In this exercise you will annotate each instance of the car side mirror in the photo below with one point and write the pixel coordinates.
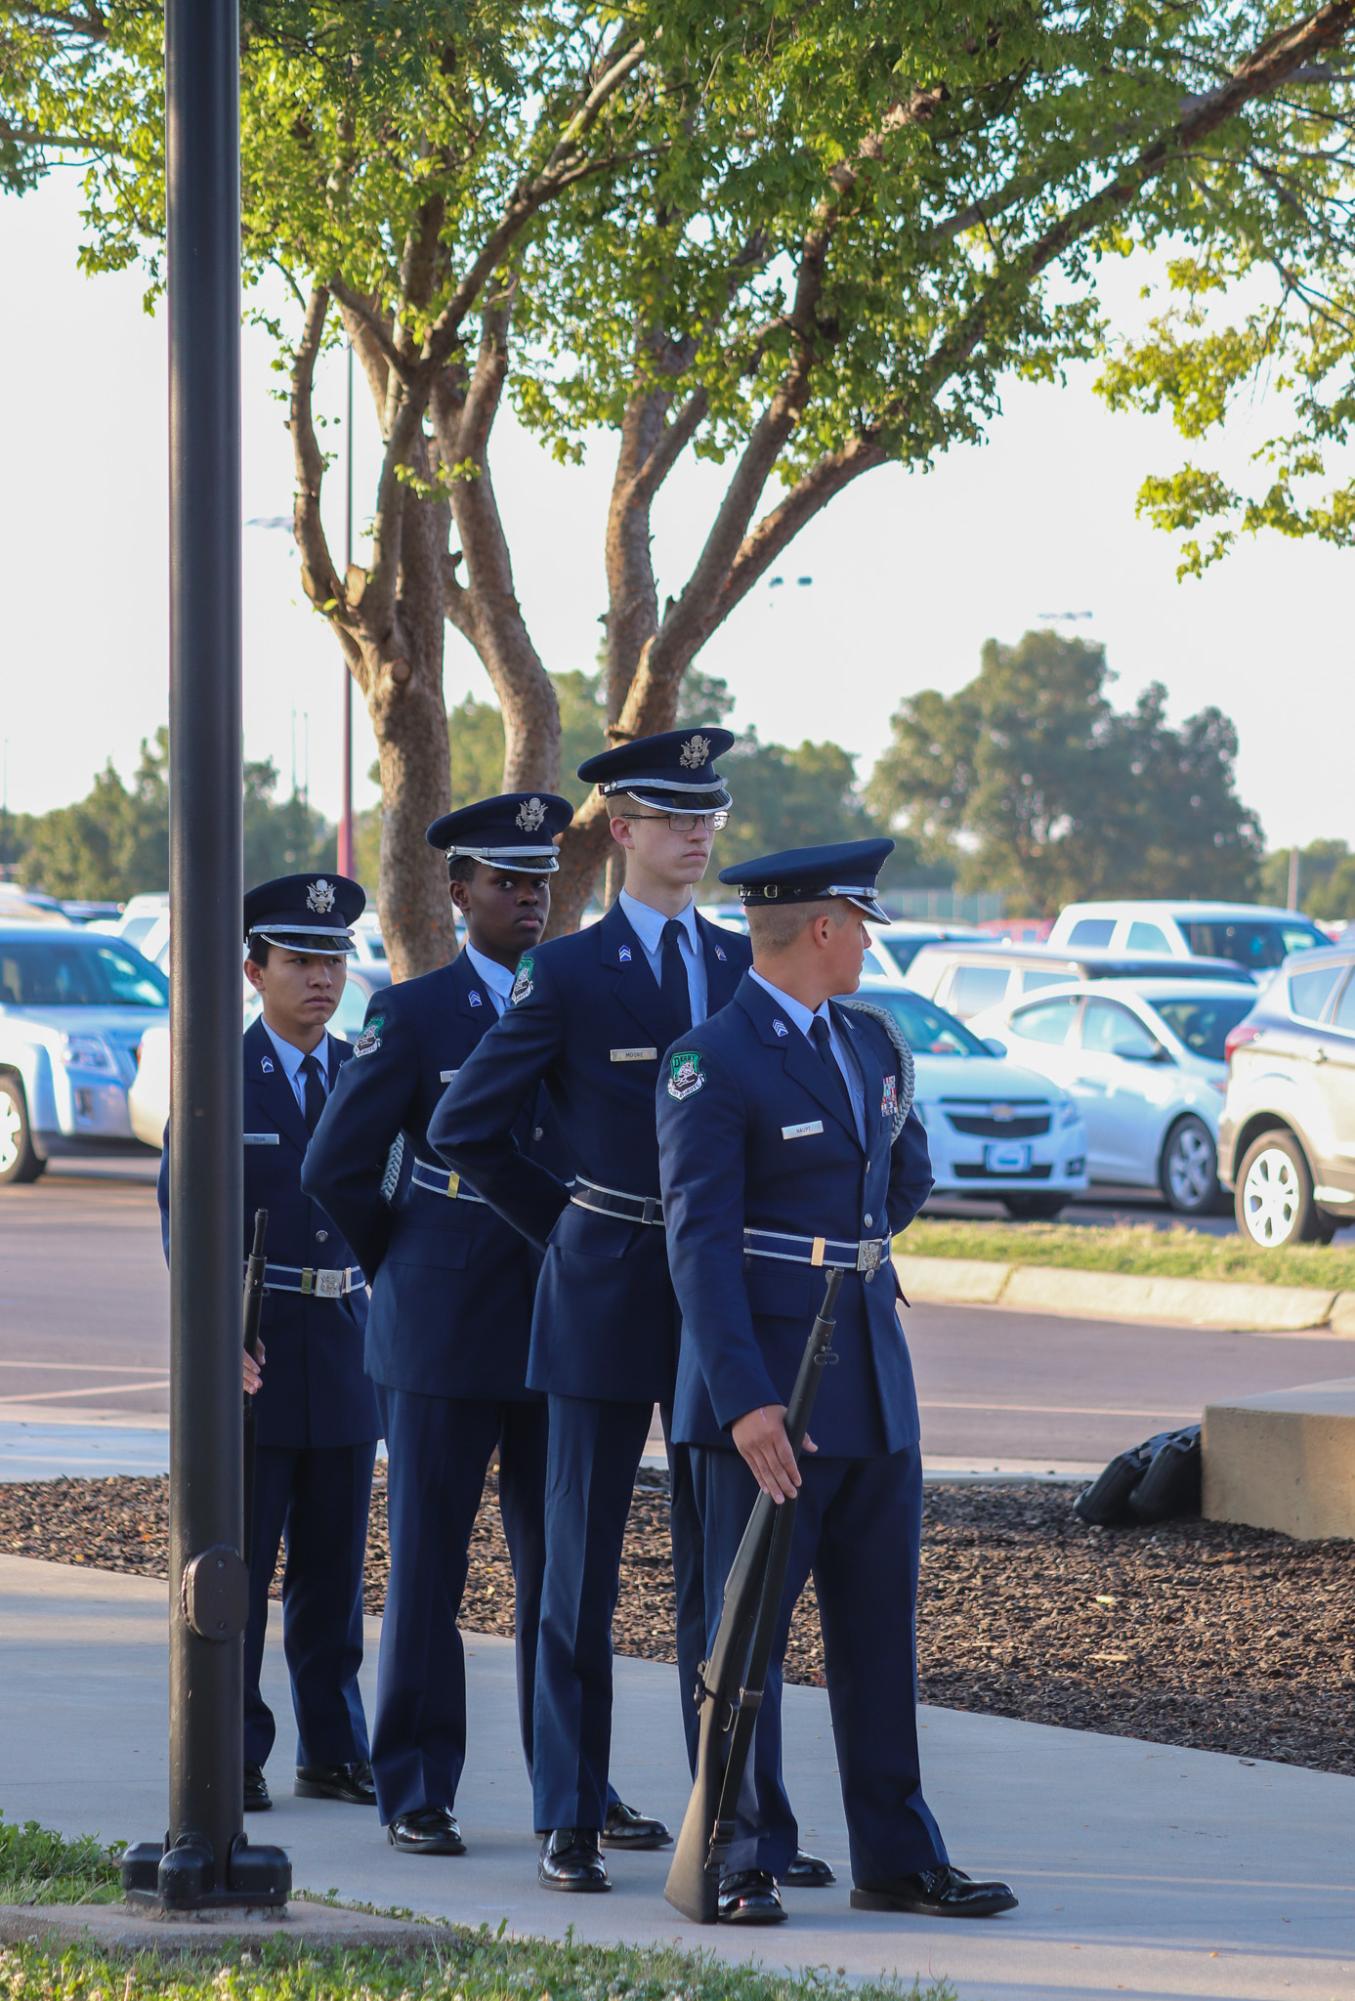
(993, 1046)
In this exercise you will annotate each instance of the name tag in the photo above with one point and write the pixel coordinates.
(446, 1076)
(635, 1055)
(263, 1139)
(802, 1132)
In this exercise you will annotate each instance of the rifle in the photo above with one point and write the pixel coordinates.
(254, 1271)
(729, 1692)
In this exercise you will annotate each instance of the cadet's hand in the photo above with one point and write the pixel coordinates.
(253, 1372)
(760, 1436)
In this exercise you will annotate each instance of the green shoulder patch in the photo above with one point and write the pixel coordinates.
(685, 1075)
(524, 981)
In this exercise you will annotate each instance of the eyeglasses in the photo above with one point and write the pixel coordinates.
(683, 823)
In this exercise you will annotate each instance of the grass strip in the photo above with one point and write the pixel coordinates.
(1136, 1248)
(40, 1867)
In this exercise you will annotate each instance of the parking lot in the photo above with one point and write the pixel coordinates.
(85, 1335)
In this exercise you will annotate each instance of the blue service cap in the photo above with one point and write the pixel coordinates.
(808, 875)
(516, 830)
(673, 772)
(306, 913)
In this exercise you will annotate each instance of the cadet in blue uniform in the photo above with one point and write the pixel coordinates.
(452, 1289)
(590, 1015)
(787, 1146)
(316, 1416)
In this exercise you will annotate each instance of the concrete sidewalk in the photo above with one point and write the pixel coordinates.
(1142, 1871)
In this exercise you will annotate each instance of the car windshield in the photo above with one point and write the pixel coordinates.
(1203, 1025)
(1252, 942)
(77, 971)
(927, 1029)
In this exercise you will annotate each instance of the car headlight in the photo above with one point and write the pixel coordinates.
(1068, 1112)
(86, 1052)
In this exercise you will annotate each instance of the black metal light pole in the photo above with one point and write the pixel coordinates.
(205, 1860)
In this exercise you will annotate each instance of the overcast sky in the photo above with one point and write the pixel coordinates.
(910, 574)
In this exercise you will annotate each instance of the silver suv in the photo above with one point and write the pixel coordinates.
(1287, 1137)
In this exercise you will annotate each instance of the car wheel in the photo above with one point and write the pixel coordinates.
(19, 1159)
(1189, 1176)
(1034, 1208)
(1274, 1202)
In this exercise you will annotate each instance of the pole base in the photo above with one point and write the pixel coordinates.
(185, 1878)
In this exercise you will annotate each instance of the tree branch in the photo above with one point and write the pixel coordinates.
(376, 329)
(318, 574)
(562, 169)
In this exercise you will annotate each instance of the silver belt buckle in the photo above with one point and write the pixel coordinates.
(329, 1284)
(869, 1256)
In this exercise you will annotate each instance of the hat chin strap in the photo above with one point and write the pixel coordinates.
(526, 861)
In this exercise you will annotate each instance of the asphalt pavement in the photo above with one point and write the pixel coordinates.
(84, 1342)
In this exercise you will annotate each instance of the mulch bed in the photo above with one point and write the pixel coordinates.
(1195, 1633)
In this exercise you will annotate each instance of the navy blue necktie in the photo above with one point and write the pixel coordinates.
(677, 996)
(819, 1036)
(315, 1092)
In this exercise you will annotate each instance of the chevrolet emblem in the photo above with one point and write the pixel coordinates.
(1003, 1113)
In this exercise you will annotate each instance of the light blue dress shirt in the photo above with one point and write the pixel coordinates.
(804, 1017)
(647, 924)
(292, 1058)
(498, 979)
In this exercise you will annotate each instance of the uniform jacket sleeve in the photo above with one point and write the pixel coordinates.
(701, 1170)
(162, 1194)
(365, 1111)
(910, 1173)
(472, 1123)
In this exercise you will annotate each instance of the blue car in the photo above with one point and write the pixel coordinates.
(74, 1006)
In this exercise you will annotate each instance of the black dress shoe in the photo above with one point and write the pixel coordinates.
(749, 1897)
(429, 1830)
(570, 1861)
(807, 1872)
(625, 1828)
(938, 1893)
(350, 1783)
(256, 1790)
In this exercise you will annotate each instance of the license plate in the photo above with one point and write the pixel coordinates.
(1006, 1158)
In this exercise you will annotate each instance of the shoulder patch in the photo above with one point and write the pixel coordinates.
(685, 1075)
(524, 981)
(370, 1037)
(898, 1091)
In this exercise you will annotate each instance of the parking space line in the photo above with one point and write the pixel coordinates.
(87, 1368)
(1054, 1409)
(93, 1390)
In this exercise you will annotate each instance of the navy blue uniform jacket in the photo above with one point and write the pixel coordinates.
(766, 1141)
(452, 1283)
(314, 1390)
(588, 1023)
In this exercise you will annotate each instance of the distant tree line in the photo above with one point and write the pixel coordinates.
(115, 841)
(1026, 782)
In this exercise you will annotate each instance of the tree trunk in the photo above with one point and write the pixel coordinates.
(403, 677)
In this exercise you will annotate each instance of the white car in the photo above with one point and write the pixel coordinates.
(993, 1130)
(1144, 1060)
(1256, 936)
(893, 947)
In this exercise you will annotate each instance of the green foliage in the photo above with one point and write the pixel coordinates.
(365, 124)
(1263, 307)
(1051, 795)
(115, 841)
(1326, 880)
(439, 1962)
(38, 1866)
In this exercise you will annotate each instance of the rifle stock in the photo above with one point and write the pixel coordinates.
(732, 1680)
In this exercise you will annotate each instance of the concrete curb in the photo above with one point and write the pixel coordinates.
(1127, 1297)
(116, 1928)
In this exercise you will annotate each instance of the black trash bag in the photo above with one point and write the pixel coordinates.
(1171, 1487)
(1105, 1504)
